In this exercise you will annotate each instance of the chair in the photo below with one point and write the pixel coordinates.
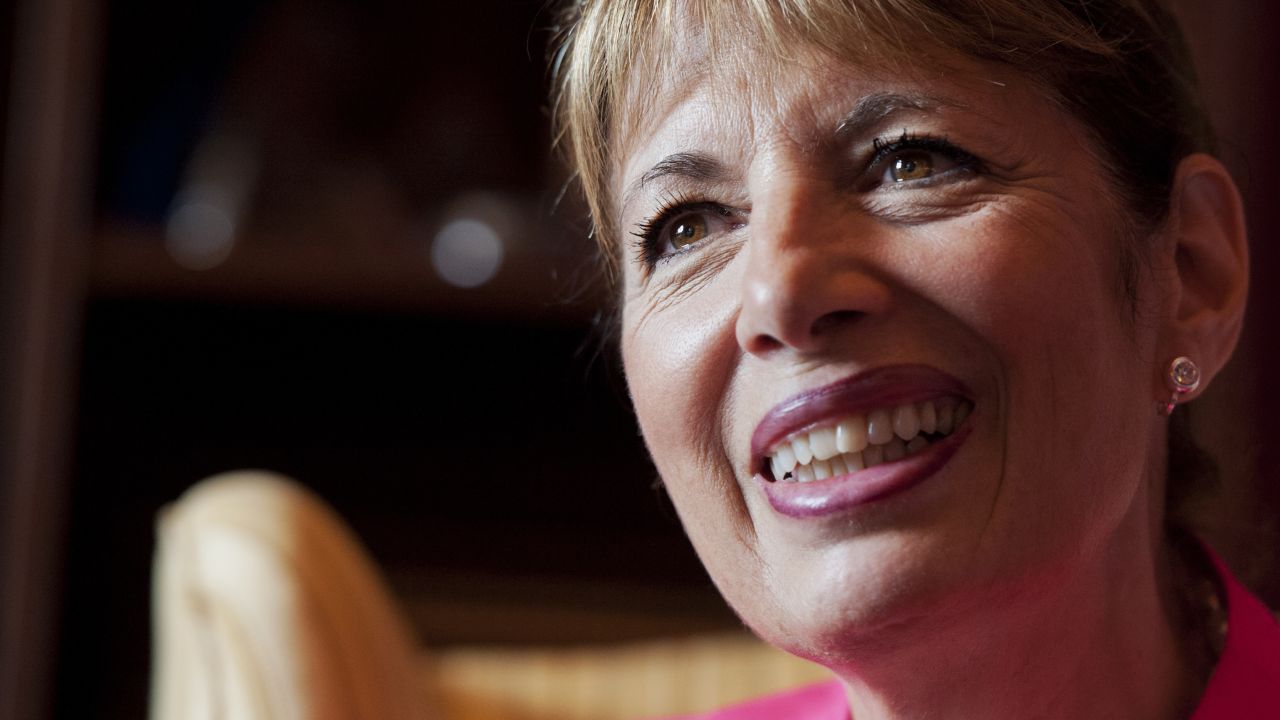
(267, 608)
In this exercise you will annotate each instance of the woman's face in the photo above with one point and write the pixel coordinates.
(817, 251)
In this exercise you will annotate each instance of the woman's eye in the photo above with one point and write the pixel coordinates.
(687, 230)
(680, 227)
(914, 165)
(916, 159)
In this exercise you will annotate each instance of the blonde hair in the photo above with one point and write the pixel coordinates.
(1120, 66)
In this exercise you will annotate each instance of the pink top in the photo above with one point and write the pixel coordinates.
(1245, 684)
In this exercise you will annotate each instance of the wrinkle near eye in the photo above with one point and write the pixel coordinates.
(694, 274)
(943, 205)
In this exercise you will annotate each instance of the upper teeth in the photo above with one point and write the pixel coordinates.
(855, 442)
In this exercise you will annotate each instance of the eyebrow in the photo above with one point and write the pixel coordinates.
(697, 167)
(872, 109)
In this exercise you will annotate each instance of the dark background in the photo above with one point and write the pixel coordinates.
(478, 439)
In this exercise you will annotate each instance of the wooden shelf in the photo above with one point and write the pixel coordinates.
(547, 281)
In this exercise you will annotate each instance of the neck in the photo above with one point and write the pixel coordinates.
(1108, 638)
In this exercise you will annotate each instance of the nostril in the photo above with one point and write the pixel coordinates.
(764, 344)
(803, 298)
(829, 324)
(833, 320)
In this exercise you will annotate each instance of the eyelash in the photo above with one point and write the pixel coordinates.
(649, 231)
(881, 149)
(650, 244)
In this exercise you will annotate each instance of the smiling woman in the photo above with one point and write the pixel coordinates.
(906, 289)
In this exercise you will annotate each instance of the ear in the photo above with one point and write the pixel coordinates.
(1206, 234)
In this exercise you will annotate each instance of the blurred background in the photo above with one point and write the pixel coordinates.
(326, 237)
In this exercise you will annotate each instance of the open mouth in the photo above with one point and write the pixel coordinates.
(857, 442)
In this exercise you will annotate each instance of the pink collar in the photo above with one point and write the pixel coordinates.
(1246, 682)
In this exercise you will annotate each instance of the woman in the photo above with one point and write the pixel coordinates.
(910, 293)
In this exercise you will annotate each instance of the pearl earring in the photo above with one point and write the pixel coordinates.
(1183, 378)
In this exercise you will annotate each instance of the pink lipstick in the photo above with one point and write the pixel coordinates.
(906, 421)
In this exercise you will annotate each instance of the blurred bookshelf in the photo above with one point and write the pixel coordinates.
(386, 154)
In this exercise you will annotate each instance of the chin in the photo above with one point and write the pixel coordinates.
(837, 604)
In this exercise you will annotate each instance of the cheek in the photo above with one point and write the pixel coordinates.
(679, 354)
(1046, 298)
(673, 373)
(1043, 288)
(678, 364)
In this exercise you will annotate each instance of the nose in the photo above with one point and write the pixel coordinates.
(808, 276)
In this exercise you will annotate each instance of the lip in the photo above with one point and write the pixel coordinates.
(860, 393)
(844, 492)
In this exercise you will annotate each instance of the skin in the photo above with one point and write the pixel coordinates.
(1044, 531)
